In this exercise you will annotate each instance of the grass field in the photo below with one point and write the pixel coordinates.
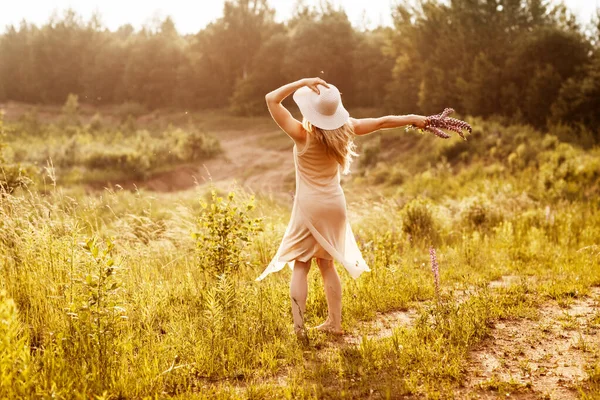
(115, 293)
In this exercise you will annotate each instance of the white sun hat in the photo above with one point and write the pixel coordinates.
(324, 110)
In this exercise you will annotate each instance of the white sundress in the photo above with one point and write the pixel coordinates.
(318, 225)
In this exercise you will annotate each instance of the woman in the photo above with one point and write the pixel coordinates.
(319, 226)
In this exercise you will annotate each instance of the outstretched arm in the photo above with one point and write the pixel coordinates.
(364, 126)
(281, 115)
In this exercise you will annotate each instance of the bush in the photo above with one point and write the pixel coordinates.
(12, 176)
(136, 163)
(132, 109)
(568, 172)
(96, 124)
(70, 110)
(455, 152)
(96, 314)
(29, 122)
(224, 228)
(480, 214)
(370, 155)
(143, 153)
(418, 222)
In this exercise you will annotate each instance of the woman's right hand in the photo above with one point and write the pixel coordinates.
(312, 83)
(420, 121)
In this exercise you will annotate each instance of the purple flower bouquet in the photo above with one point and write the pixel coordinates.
(441, 121)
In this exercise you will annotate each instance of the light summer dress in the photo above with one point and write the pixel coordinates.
(319, 225)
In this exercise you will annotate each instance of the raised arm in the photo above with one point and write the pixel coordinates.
(281, 115)
(364, 126)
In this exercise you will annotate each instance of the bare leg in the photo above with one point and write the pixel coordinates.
(298, 293)
(333, 294)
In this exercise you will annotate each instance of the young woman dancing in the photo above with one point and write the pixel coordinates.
(319, 226)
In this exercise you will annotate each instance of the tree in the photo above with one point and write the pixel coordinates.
(372, 67)
(579, 99)
(224, 51)
(267, 74)
(154, 83)
(321, 45)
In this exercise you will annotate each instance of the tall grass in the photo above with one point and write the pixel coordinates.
(128, 295)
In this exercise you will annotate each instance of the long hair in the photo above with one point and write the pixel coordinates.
(338, 143)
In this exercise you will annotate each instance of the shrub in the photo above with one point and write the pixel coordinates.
(181, 146)
(96, 313)
(198, 146)
(224, 228)
(132, 109)
(480, 214)
(96, 124)
(398, 176)
(370, 155)
(70, 110)
(136, 163)
(418, 222)
(129, 124)
(568, 172)
(455, 151)
(30, 123)
(11, 176)
(380, 174)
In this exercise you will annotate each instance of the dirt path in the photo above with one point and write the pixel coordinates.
(244, 160)
(524, 359)
(545, 358)
(537, 359)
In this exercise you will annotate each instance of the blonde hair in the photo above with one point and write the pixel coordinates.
(338, 143)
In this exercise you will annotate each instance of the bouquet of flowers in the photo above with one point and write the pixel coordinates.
(441, 121)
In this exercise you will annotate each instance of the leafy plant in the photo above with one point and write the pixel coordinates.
(435, 268)
(16, 373)
(225, 227)
(418, 221)
(70, 110)
(11, 176)
(97, 312)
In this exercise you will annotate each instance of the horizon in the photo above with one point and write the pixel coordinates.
(112, 15)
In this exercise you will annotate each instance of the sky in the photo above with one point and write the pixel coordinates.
(191, 16)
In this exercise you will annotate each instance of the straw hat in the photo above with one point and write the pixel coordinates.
(324, 110)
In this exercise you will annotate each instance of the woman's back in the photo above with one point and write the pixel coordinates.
(316, 167)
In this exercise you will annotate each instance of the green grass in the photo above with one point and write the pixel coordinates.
(145, 315)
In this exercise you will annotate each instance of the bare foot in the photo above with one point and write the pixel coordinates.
(328, 327)
(302, 335)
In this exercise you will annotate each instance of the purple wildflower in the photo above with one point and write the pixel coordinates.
(438, 132)
(441, 121)
(435, 268)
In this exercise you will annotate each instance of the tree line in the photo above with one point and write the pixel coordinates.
(520, 59)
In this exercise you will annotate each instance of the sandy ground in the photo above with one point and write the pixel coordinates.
(243, 161)
(543, 358)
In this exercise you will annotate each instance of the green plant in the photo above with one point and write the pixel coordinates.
(418, 221)
(225, 227)
(96, 124)
(96, 314)
(220, 303)
(11, 176)
(70, 110)
(16, 372)
(370, 154)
